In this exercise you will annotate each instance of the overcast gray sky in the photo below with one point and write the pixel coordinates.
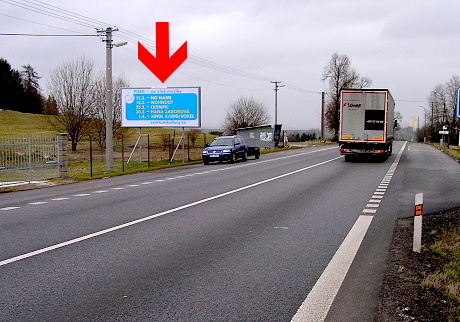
(406, 46)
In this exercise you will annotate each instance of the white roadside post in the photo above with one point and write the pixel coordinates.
(417, 243)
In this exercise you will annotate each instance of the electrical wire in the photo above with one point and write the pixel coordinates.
(68, 16)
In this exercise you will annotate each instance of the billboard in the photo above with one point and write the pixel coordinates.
(458, 103)
(161, 107)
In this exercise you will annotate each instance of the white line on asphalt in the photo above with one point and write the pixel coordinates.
(37, 203)
(106, 231)
(319, 300)
(10, 208)
(59, 199)
(82, 195)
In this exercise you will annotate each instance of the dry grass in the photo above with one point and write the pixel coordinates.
(446, 279)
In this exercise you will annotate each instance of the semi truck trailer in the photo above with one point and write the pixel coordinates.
(366, 123)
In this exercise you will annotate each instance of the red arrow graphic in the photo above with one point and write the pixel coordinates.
(162, 66)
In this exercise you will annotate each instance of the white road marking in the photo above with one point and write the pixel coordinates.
(10, 208)
(108, 230)
(82, 195)
(100, 191)
(372, 205)
(37, 203)
(319, 300)
(59, 199)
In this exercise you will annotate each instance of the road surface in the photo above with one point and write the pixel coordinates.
(298, 235)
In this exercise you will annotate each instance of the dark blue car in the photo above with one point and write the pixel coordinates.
(225, 148)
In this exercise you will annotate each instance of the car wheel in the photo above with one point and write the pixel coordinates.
(245, 156)
(206, 162)
(257, 155)
(232, 158)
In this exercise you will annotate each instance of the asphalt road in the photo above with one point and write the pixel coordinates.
(262, 240)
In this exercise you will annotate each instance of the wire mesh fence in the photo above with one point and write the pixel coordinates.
(28, 158)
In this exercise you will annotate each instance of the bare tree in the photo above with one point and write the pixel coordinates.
(98, 112)
(339, 73)
(245, 112)
(72, 86)
(443, 106)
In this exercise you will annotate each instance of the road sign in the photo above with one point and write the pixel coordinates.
(458, 102)
(161, 107)
(444, 132)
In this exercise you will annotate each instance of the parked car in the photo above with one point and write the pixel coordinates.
(225, 148)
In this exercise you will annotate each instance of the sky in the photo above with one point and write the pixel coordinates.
(237, 47)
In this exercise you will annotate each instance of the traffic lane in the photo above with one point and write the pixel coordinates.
(24, 197)
(422, 169)
(432, 172)
(37, 226)
(359, 295)
(248, 251)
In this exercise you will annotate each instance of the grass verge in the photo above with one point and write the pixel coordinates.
(446, 278)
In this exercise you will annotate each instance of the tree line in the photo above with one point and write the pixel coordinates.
(20, 89)
(442, 110)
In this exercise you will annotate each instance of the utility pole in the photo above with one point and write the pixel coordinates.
(322, 115)
(109, 95)
(276, 99)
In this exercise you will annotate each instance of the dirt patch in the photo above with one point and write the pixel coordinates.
(403, 298)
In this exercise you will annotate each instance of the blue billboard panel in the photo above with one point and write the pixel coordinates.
(161, 107)
(458, 102)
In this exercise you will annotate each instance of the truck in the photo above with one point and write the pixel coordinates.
(366, 123)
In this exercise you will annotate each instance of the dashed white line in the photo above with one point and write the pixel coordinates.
(59, 199)
(173, 210)
(10, 208)
(372, 205)
(37, 203)
(100, 191)
(82, 195)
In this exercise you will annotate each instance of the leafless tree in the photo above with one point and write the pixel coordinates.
(98, 112)
(72, 86)
(339, 74)
(245, 112)
(442, 103)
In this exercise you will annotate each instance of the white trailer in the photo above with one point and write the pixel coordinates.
(366, 123)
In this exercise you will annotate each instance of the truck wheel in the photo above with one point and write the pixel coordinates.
(348, 158)
(257, 155)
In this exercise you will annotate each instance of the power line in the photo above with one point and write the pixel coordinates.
(68, 16)
(47, 35)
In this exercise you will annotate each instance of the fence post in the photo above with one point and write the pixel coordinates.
(63, 158)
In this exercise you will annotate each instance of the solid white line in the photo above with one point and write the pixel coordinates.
(105, 231)
(319, 300)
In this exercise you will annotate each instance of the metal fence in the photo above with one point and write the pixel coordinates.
(27, 159)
